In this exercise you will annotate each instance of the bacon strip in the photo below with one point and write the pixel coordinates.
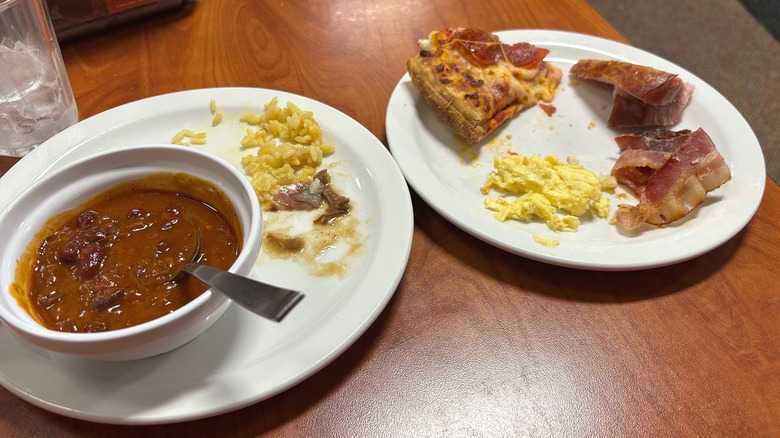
(628, 112)
(643, 153)
(643, 96)
(660, 140)
(634, 167)
(677, 186)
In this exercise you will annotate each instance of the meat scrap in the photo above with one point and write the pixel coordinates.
(669, 184)
(643, 96)
(284, 243)
(310, 196)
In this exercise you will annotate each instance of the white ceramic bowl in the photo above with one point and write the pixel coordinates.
(72, 184)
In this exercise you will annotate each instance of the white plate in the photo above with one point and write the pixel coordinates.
(429, 156)
(242, 358)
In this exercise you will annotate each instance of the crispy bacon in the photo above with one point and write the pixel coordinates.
(660, 140)
(643, 96)
(629, 112)
(676, 187)
(634, 167)
(651, 86)
(643, 153)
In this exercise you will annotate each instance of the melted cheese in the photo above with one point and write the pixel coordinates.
(504, 83)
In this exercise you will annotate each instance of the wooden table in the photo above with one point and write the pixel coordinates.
(475, 342)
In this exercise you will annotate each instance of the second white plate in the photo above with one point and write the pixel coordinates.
(432, 160)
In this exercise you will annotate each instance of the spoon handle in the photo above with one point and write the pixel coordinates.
(269, 301)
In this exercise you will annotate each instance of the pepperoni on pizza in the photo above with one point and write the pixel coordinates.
(476, 82)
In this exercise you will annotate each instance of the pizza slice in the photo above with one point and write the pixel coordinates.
(475, 82)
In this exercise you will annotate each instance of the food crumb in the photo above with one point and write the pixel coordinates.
(217, 114)
(186, 137)
(217, 118)
(467, 155)
(551, 243)
(283, 243)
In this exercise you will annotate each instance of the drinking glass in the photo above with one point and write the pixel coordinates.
(36, 100)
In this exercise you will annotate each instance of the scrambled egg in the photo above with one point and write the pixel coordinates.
(544, 186)
(552, 243)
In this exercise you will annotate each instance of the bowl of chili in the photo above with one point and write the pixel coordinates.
(91, 253)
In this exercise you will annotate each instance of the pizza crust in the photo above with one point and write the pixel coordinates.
(467, 121)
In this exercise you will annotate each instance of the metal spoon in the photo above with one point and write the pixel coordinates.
(268, 301)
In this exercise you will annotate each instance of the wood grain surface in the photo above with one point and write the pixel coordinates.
(475, 342)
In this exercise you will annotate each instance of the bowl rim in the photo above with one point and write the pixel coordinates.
(250, 231)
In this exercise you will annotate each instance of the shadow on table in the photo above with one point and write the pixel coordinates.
(625, 286)
(568, 283)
